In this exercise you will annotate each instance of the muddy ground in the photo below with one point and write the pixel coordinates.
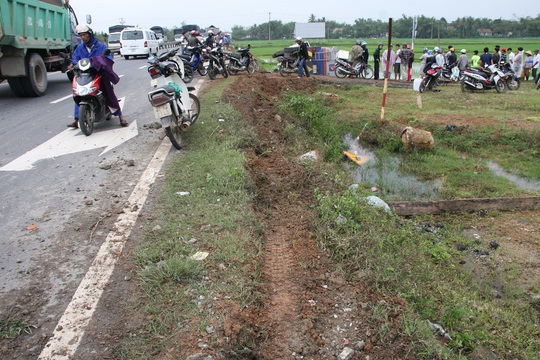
(311, 311)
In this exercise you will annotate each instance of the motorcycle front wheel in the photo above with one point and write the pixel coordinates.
(340, 72)
(465, 88)
(174, 133)
(423, 85)
(86, 119)
(500, 86)
(513, 83)
(231, 70)
(251, 68)
(283, 71)
(368, 72)
(211, 72)
(203, 70)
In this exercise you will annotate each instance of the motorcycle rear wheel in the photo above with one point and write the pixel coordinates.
(368, 72)
(174, 133)
(500, 86)
(284, 72)
(195, 108)
(211, 72)
(513, 83)
(340, 72)
(86, 119)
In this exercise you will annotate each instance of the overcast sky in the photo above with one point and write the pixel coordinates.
(225, 14)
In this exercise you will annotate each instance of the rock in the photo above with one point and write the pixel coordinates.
(416, 139)
(360, 345)
(199, 357)
(346, 354)
(378, 202)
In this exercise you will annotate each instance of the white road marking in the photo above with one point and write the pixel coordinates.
(61, 99)
(72, 326)
(71, 141)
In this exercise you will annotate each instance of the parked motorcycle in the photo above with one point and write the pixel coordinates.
(87, 94)
(431, 78)
(345, 68)
(216, 64)
(174, 106)
(513, 82)
(484, 79)
(287, 63)
(244, 61)
(194, 57)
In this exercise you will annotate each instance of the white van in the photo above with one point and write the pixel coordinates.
(138, 42)
(113, 43)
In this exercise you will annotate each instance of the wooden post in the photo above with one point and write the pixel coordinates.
(385, 88)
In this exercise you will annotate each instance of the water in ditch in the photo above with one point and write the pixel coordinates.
(520, 182)
(385, 174)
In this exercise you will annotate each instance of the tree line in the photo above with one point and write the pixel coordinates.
(427, 27)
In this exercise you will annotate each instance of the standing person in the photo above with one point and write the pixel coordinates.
(303, 56)
(463, 61)
(475, 59)
(406, 55)
(377, 61)
(356, 53)
(397, 63)
(528, 65)
(439, 58)
(365, 55)
(423, 60)
(485, 58)
(536, 64)
(496, 57)
(511, 56)
(451, 58)
(517, 65)
(91, 47)
(386, 64)
(503, 57)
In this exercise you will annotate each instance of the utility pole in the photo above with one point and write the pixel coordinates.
(269, 26)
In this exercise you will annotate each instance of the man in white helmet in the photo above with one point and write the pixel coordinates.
(90, 47)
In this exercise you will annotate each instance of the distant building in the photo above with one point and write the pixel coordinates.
(485, 32)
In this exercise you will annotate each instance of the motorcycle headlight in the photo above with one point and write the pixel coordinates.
(83, 91)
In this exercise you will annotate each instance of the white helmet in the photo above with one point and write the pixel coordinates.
(436, 49)
(210, 32)
(83, 28)
(298, 38)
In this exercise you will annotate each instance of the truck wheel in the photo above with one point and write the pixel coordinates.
(35, 82)
(17, 87)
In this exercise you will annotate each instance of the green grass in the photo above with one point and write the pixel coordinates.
(12, 325)
(412, 259)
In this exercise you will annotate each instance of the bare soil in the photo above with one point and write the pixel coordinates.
(310, 311)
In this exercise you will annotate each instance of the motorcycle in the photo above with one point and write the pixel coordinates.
(216, 64)
(87, 94)
(449, 73)
(193, 58)
(431, 78)
(513, 81)
(242, 61)
(484, 79)
(287, 62)
(173, 104)
(344, 68)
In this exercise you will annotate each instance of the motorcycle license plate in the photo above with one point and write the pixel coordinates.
(162, 111)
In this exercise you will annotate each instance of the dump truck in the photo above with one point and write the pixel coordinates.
(36, 37)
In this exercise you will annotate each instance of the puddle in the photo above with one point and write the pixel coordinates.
(520, 182)
(385, 174)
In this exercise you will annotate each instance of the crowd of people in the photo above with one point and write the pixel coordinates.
(400, 58)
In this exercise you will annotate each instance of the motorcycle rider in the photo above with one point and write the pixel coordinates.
(304, 56)
(209, 42)
(91, 47)
(193, 39)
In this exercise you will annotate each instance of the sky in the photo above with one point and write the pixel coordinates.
(225, 14)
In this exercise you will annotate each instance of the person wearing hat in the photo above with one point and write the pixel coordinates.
(463, 60)
(527, 65)
(451, 59)
(377, 61)
(503, 57)
(536, 64)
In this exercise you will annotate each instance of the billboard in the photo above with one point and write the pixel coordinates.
(312, 30)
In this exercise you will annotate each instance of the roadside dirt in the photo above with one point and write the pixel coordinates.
(311, 312)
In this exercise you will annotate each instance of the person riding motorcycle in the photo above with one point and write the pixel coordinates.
(91, 47)
(193, 39)
(209, 42)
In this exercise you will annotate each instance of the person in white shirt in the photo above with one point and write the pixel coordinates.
(511, 56)
(536, 64)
